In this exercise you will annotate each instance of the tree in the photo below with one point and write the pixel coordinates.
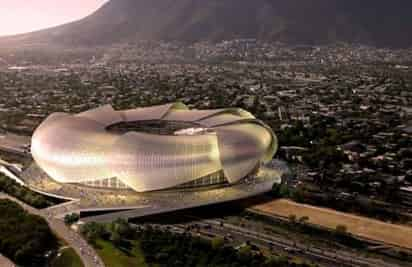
(122, 227)
(341, 230)
(25, 237)
(298, 194)
(284, 190)
(22, 193)
(93, 231)
(116, 238)
(292, 218)
(217, 242)
(69, 219)
(245, 252)
(303, 219)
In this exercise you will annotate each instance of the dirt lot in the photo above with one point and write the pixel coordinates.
(397, 235)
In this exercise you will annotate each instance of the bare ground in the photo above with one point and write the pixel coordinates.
(398, 235)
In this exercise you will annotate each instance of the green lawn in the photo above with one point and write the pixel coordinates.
(68, 258)
(114, 257)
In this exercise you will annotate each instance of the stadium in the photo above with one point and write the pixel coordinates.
(158, 148)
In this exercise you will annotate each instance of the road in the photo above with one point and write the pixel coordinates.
(14, 144)
(88, 255)
(210, 228)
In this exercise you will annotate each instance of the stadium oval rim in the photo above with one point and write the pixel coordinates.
(79, 149)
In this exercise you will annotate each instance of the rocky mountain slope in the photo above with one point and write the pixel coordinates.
(373, 22)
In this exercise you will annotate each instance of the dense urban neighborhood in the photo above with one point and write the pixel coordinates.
(342, 115)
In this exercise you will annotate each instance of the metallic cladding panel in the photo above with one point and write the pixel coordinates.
(75, 149)
(225, 116)
(220, 119)
(51, 118)
(148, 113)
(72, 149)
(234, 111)
(152, 162)
(189, 115)
(242, 146)
(273, 147)
(105, 115)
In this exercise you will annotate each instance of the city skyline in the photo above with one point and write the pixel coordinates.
(19, 16)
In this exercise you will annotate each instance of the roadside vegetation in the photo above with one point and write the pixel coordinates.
(357, 204)
(114, 256)
(67, 257)
(337, 238)
(24, 194)
(72, 218)
(28, 239)
(121, 245)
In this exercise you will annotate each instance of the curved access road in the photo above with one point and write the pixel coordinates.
(88, 255)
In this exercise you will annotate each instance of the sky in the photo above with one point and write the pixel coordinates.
(20, 16)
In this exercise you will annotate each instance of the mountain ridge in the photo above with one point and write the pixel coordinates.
(379, 23)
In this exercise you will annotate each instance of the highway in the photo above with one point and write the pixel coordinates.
(237, 235)
(15, 144)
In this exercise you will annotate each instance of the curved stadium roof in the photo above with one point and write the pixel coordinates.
(79, 148)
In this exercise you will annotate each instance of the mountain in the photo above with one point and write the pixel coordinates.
(380, 23)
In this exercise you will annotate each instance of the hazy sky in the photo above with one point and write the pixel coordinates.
(18, 16)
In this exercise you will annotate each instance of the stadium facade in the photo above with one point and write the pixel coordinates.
(153, 148)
